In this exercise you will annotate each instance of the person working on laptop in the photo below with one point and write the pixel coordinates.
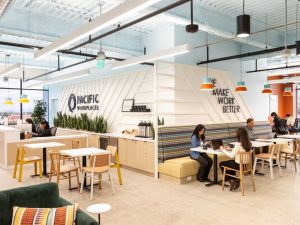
(242, 145)
(198, 139)
(44, 131)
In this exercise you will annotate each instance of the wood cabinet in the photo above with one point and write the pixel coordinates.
(137, 154)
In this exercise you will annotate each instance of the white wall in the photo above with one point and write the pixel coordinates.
(258, 104)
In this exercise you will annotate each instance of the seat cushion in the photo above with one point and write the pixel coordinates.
(39, 216)
(179, 167)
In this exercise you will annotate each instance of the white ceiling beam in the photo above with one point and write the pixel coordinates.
(66, 77)
(10, 69)
(111, 17)
(182, 49)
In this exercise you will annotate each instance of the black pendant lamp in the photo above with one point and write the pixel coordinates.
(192, 28)
(243, 24)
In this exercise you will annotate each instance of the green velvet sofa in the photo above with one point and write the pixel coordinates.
(37, 196)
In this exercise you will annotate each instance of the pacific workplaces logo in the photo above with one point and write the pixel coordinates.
(83, 102)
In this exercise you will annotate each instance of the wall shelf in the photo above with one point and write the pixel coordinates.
(137, 113)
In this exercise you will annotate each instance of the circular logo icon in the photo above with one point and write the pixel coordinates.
(72, 102)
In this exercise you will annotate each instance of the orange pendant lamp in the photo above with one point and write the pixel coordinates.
(207, 84)
(241, 87)
(267, 89)
(287, 92)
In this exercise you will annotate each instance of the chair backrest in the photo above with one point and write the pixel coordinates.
(112, 150)
(55, 158)
(246, 161)
(20, 151)
(53, 131)
(275, 149)
(75, 144)
(100, 160)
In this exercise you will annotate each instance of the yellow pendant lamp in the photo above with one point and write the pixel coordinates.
(267, 89)
(287, 92)
(24, 99)
(241, 87)
(8, 101)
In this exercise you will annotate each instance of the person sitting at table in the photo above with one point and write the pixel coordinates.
(278, 125)
(198, 139)
(29, 121)
(242, 145)
(290, 122)
(249, 128)
(44, 130)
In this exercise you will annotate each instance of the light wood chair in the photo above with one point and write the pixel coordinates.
(272, 155)
(20, 159)
(75, 145)
(57, 169)
(98, 165)
(116, 162)
(287, 150)
(245, 168)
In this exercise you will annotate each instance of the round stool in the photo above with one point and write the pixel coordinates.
(98, 209)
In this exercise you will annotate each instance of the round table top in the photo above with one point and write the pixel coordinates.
(98, 208)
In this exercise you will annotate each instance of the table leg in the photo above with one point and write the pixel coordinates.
(215, 181)
(99, 221)
(44, 161)
(84, 165)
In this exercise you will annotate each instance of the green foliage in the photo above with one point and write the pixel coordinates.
(83, 122)
(39, 111)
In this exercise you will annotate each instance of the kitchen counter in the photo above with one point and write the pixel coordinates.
(117, 135)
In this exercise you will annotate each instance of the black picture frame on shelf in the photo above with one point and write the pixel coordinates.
(127, 105)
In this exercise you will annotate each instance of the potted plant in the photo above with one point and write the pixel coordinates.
(39, 111)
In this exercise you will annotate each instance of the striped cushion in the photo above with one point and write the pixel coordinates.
(45, 216)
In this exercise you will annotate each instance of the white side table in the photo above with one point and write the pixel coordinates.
(98, 209)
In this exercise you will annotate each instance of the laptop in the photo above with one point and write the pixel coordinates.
(216, 143)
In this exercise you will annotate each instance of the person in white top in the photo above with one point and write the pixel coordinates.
(242, 145)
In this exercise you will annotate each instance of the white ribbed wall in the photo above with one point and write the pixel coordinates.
(180, 101)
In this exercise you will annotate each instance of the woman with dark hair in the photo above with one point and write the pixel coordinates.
(198, 139)
(243, 145)
(29, 121)
(44, 130)
(278, 125)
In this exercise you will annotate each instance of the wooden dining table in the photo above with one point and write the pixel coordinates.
(84, 152)
(44, 147)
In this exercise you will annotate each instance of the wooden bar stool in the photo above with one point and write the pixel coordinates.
(20, 159)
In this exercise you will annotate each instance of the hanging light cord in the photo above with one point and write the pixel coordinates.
(241, 62)
(100, 12)
(192, 12)
(285, 24)
(244, 7)
(297, 21)
(267, 43)
(207, 52)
